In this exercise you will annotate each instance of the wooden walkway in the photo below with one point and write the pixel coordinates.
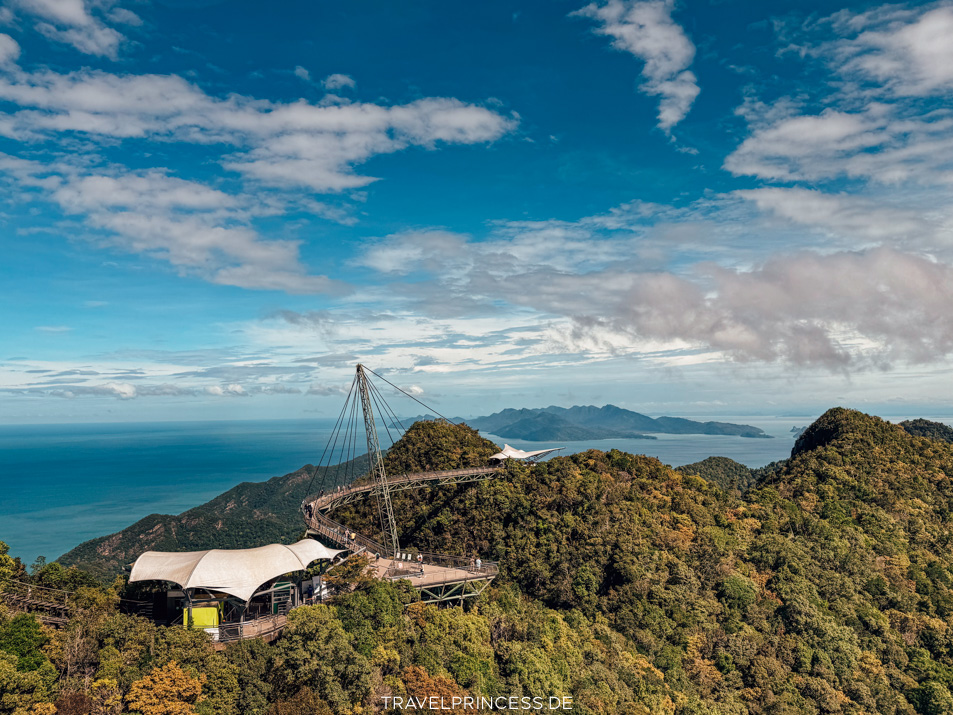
(50, 605)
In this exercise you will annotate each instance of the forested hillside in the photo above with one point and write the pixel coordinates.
(729, 474)
(827, 587)
(927, 428)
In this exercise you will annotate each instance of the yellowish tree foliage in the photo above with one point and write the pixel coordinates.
(422, 685)
(168, 690)
(7, 564)
(107, 696)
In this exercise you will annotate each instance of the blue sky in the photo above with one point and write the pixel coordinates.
(212, 210)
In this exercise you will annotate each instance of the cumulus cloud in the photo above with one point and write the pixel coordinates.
(302, 73)
(647, 31)
(9, 49)
(338, 81)
(273, 146)
(881, 144)
(909, 53)
(71, 22)
(880, 306)
(844, 309)
(849, 308)
(881, 123)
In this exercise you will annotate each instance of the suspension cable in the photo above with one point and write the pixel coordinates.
(409, 395)
(328, 446)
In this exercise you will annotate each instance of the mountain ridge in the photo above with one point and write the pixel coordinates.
(606, 422)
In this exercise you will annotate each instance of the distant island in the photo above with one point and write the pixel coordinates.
(573, 424)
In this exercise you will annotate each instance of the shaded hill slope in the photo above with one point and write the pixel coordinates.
(729, 474)
(928, 429)
(721, 471)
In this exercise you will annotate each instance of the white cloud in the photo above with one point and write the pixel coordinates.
(124, 17)
(201, 230)
(876, 307)
(280, 144)
(327, 390)
(338, 81)
(124, 391)
(882, 144)
(233, 390)
(412, 251)
(647, 31)
(302, 73)
(53, 328)
(880, 306)
(849, 218)
(71, 22)
(882, 123)
(198, 230)
(9, 49)
(907, 55)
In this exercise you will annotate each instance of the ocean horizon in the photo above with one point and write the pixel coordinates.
(68, 483)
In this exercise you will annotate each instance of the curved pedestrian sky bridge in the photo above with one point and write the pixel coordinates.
(438, 577)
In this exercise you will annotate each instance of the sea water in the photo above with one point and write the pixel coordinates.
(61, 485)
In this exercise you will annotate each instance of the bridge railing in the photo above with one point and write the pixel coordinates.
(410, 569)
(265, 627)
(24, 593)
(319, 500)
(463, 563)
(340, 534)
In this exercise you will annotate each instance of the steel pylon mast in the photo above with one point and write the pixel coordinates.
(377, 459)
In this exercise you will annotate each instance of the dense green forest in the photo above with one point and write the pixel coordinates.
(926, 428)
(823, 585)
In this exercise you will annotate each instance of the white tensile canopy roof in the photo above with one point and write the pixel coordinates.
(512, 453)
(237, 572)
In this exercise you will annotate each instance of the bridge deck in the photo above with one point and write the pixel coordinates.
(328, 501)
(50, 605)
(440, 577)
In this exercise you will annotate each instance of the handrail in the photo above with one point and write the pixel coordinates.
(315, 508)
(54, 597)
(255, 628)
(339, 533)
(486, 570)
(327, 498)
